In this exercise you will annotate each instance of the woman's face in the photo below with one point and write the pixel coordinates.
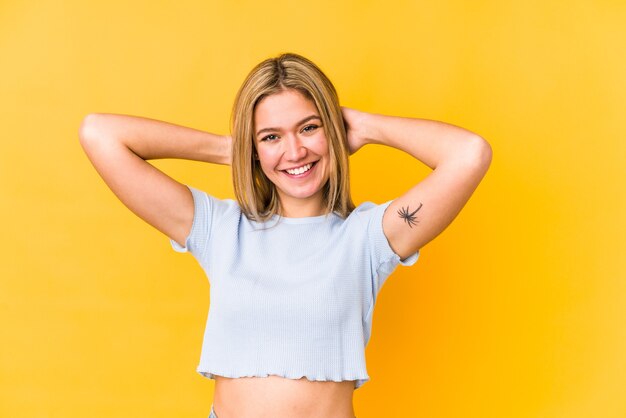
(293, 151)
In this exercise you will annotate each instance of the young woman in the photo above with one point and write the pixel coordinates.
(295, 268)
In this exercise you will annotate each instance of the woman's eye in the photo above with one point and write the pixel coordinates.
(270, 137)
(310, 128)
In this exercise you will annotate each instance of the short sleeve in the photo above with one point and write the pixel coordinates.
(203, 208)
(384, 259)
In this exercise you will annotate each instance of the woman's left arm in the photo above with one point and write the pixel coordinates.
(459, 159)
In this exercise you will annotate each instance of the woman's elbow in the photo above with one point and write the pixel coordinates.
(88, 130)
(480, 152)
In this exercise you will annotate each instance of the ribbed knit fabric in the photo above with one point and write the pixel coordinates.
(292, 297)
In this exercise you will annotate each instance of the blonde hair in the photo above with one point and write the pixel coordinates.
(256, 194)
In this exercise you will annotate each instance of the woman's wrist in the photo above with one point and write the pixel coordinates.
(370, 133)
(222, 154)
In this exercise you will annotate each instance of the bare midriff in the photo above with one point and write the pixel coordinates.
(278, 397)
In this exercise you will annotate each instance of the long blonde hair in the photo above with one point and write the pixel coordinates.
(256, 194)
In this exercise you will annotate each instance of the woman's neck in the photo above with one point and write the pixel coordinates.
(302, 208)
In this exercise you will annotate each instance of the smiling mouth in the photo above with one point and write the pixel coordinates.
(300, 170)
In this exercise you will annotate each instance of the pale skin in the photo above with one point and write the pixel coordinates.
(120, 145)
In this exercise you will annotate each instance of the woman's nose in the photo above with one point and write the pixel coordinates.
(295, 150)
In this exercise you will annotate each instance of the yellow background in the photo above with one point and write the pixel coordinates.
(517, 310)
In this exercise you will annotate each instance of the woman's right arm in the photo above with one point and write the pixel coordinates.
(118, 147)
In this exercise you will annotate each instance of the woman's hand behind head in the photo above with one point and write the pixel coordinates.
(356, 128)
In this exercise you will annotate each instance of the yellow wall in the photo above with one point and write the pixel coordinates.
(517, 310)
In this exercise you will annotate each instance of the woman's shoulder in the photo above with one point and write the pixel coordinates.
(365, 215)
(368, 209)
(210, 204)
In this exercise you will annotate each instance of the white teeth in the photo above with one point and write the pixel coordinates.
(300, 170)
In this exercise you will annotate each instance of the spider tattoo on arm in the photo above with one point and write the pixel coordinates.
(409, 217)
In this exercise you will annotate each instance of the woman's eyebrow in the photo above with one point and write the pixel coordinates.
(305, 120)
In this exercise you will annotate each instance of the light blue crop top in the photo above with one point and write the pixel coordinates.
(292, 297)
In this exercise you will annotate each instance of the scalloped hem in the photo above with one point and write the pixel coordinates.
(358, 381)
